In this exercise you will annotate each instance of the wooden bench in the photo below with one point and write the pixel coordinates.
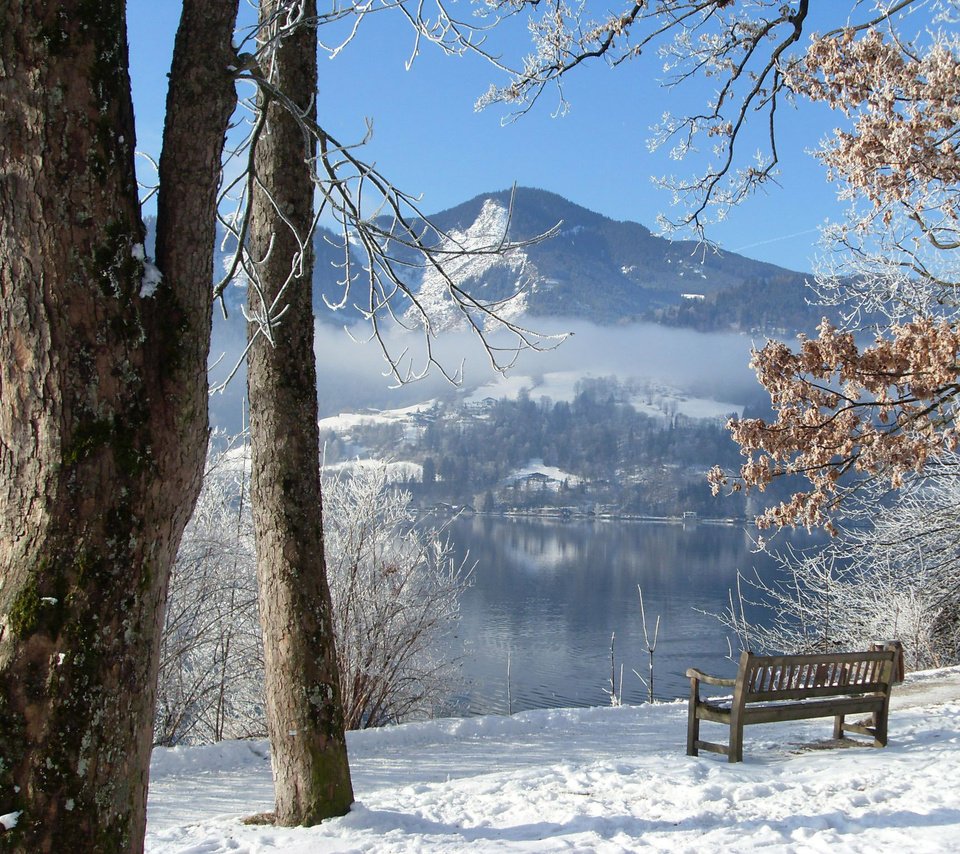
(770, 688)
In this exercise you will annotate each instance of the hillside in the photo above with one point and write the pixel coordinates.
(606, 280)
(628, 448)
(594, 268)
(608, 271)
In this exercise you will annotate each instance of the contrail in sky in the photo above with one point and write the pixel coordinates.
(776, 239)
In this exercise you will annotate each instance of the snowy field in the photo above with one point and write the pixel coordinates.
(345, 422)
(592, 780)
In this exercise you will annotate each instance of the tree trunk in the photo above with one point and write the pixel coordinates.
(304, 711)
(102, 408)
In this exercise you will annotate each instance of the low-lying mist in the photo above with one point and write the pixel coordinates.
(352, 370)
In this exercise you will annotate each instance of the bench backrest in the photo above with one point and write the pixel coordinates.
(796, 677)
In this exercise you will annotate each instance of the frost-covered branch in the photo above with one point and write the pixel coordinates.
(890, 573)
(880, 411)
(745, 46)
(388, 244)
(898, 166)
(210, 684)
(749, 48)
(396, 597)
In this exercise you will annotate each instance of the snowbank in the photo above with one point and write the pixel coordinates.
(592, 780)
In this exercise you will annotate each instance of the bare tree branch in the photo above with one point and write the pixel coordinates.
(389, 245)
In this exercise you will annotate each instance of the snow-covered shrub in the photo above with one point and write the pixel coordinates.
(395, 589)
(211, 662)
(396, 597)
(891, 573)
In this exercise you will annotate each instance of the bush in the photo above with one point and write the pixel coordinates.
(211, 657)
(396, 598)
(892, 572)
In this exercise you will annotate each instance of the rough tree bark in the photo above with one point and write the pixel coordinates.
(102, 404)
(304, 711)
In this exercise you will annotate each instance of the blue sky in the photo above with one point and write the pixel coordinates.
(430, 141)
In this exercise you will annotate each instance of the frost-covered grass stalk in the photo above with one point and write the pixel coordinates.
(615, 695)
(395, 589)
(649, 645)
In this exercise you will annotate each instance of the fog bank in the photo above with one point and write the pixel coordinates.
(352, 371)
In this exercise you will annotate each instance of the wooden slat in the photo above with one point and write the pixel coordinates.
(712, 713)
(821, 658)
(822, 691)
(810, 710)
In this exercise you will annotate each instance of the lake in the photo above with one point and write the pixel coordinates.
(547, 595)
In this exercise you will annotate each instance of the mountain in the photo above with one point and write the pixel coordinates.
(591, 267)
(592, 275)
(596, 269)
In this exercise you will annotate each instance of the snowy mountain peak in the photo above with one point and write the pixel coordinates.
(598, 269)
(473, 260)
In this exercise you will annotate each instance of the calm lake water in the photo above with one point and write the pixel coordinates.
(547, 595)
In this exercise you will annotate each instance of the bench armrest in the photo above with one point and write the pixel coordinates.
(693, 673)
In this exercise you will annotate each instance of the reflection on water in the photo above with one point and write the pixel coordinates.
(547, 595)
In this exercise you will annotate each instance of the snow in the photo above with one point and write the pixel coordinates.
(488, 230)
(347, 421)
(502, 388)
(665, 399)
(397, 471)
(560, 385)
(151, 277)
(555, 385)
(591, 780)
(706, 409)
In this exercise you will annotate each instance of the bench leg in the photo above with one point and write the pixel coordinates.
(693, 727)
(880, 727)
(838, 727)
(735, 753)
(735, 749)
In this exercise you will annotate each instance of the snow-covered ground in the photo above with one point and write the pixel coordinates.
(347, 421)
(592, 780)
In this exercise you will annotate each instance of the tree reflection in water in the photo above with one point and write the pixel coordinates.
(549, 594)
